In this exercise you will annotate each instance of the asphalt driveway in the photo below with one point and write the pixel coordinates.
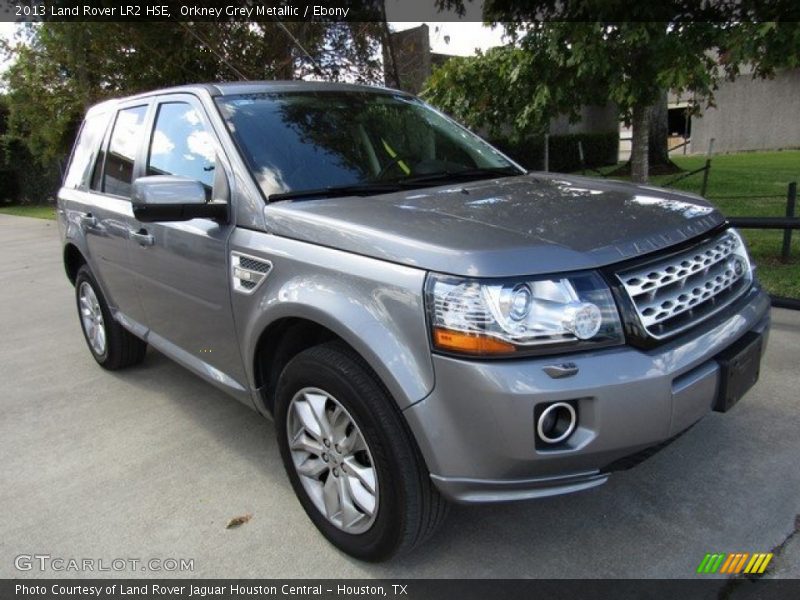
(152, 463)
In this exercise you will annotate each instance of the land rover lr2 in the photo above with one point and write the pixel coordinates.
(424, 320)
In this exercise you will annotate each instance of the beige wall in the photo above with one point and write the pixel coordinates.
(752, 114)
(593, 119)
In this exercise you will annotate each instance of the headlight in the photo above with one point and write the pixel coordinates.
(742, 252)
(521, 316)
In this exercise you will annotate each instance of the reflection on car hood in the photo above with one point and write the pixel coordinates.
(526, 225)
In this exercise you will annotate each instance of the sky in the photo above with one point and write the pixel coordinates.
(459, 38)
(6, 32)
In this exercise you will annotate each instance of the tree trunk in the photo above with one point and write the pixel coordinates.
(659, 134)
(284, 63)
(640, 122)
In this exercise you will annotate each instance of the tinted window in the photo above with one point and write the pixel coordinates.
(310, 140)
(181, 145)
(85, 150)
(121, 155)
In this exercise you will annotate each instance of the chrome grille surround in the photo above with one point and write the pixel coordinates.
(675, 293)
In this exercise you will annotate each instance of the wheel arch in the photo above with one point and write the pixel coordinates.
(286, 336)
(281, 341)
(73, 261)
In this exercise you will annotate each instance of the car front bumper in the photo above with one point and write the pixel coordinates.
(476, 429)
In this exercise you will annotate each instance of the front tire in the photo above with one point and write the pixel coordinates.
(111, 345)
(350, 457)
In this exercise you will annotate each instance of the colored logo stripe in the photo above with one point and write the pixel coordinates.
(710, 563)
(758, 564)
(734, 562)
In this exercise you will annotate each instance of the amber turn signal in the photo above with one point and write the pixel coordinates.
(469, 343)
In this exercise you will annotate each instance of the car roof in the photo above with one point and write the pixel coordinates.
(234, 88)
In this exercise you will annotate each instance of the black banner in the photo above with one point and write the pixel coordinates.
(391, 10)
(234, 10)
(408, 589)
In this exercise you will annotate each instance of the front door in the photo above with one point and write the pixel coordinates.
(182, 267)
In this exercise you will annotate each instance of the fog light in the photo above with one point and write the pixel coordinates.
(556, 423)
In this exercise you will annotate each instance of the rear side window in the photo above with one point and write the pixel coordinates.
(181, 145)
(121, 155)
(89, 139)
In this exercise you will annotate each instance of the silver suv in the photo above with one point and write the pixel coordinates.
(424, 320)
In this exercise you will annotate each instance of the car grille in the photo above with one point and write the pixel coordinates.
(673, 294)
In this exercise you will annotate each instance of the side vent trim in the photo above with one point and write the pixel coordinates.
(248, 272)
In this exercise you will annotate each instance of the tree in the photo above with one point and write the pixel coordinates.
(59, 69)
(658, 139)
(562, 58)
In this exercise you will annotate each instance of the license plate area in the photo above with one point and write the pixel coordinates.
(740, 366)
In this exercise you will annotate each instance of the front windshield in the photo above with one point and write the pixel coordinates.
(296, 141)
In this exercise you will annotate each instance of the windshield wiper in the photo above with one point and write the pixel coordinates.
(364, 189)
(463, 175)
(395, 185)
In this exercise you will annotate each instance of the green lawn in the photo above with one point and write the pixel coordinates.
(37, 212)
(764, 176)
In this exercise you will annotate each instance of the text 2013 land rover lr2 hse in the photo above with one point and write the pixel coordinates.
(424, 320)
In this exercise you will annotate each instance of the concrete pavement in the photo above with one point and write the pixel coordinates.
(152, 463)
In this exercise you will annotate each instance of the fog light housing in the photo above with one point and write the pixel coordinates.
(555, 423)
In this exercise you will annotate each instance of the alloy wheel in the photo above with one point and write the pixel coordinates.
(92, 318)
(332, 460)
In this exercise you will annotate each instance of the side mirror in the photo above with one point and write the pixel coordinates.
(173, 198)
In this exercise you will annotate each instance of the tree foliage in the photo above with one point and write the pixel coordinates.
(59, 69)
(560, 57)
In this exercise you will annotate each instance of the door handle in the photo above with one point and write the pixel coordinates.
(141, 237)
(88, 220)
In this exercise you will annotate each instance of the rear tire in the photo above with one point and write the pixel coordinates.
(331, 384)
(111, 345)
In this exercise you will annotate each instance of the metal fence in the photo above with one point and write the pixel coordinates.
(788, 224)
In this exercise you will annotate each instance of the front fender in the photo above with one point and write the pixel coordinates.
(375, 306)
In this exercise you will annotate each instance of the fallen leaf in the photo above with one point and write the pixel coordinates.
(238, 521)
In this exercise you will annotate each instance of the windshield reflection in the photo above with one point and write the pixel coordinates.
(315, 140)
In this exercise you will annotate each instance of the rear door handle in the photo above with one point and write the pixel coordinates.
(141, 237)
(88, 219)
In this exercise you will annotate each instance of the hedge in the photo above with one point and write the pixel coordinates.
(24, 180)
(599, 149)
(9, 191)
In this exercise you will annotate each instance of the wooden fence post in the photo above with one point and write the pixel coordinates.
(704, 186)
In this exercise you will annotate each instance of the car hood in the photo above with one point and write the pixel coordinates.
(526, 225)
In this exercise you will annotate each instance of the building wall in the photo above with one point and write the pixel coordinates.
(751, 114)
(593, 119)
(412, 51)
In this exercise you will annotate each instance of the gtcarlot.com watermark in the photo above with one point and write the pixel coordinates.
(60, 564)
